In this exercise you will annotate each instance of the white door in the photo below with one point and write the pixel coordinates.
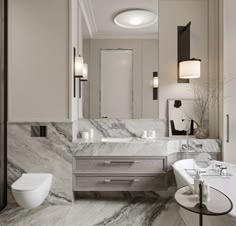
(229, 153)
(116, 83)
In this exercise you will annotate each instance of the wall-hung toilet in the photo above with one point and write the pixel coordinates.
(31, 189)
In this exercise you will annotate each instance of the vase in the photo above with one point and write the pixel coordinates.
(201, 132)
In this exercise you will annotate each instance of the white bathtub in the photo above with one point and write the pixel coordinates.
(225, 184)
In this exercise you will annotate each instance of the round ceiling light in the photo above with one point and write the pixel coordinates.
(135, 18)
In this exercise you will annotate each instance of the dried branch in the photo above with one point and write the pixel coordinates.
(205, 99)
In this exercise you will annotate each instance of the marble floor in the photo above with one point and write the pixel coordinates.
(85, 212)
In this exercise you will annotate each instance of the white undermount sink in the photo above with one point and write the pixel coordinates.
(116, 139)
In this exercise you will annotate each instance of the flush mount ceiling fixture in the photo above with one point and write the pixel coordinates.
(135, 18)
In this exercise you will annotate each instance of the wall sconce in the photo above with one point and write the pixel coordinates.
(83, 78)
(155, 84)
(189, 69)
(78, 69)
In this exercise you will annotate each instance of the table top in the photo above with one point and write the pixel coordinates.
(219, 203)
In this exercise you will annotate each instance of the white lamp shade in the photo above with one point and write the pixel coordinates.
(190, 69)
(155, 82)
(85, 72)
(79, 66)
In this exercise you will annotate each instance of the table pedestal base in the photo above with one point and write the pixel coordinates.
(201, 207)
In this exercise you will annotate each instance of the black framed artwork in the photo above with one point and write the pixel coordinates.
(182, 117)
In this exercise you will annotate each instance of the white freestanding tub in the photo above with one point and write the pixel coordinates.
(225, 184)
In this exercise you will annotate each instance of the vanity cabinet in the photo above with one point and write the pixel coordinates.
(119, 173)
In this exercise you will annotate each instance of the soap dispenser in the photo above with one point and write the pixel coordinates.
(197, 181)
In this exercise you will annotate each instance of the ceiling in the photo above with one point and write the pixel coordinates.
(99, 14)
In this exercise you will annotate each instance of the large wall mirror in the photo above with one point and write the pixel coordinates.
(122, 57)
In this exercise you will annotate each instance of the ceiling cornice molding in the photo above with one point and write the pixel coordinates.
(87, 10)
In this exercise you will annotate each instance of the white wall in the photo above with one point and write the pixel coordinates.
(174, 13)
(38, 60)
(145, 62)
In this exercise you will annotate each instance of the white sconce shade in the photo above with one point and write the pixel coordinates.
(85, 73)
(155, 82)
(189, 69)
(79, 66)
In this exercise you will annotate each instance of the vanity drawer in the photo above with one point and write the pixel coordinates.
(119, 165)
(91, 183)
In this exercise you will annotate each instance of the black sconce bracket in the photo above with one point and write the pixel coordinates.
(183, 47)
(186, 27)
(76, 76)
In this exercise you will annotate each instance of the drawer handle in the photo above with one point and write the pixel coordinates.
(109, 162)
(109, 180)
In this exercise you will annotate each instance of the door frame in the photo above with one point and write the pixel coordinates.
(4, 34)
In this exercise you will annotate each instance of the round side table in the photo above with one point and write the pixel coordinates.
(219, 203)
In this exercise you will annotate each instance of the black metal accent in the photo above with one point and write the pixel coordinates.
(155, 90)
(38, 131)
(4, 104)
(183, 47)
(227, 128)
(186, 27)
(192, 59)
(75, 76)
(200, 204)
(200, 195)
(43, 131)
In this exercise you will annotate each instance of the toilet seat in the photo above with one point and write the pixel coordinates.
(30, 181)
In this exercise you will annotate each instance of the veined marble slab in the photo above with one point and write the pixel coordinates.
(145, 211)
(52, 154)
(208, 145)
(140, 147)
(132, 127)
(121, 149)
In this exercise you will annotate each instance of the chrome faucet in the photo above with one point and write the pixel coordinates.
(187, 147)
(221, 169)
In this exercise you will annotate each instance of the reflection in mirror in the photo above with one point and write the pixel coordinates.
(203, 160)
(116, 74)
(120, 46)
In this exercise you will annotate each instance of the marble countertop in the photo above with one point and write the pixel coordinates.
(131, 140)
(142, 147)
